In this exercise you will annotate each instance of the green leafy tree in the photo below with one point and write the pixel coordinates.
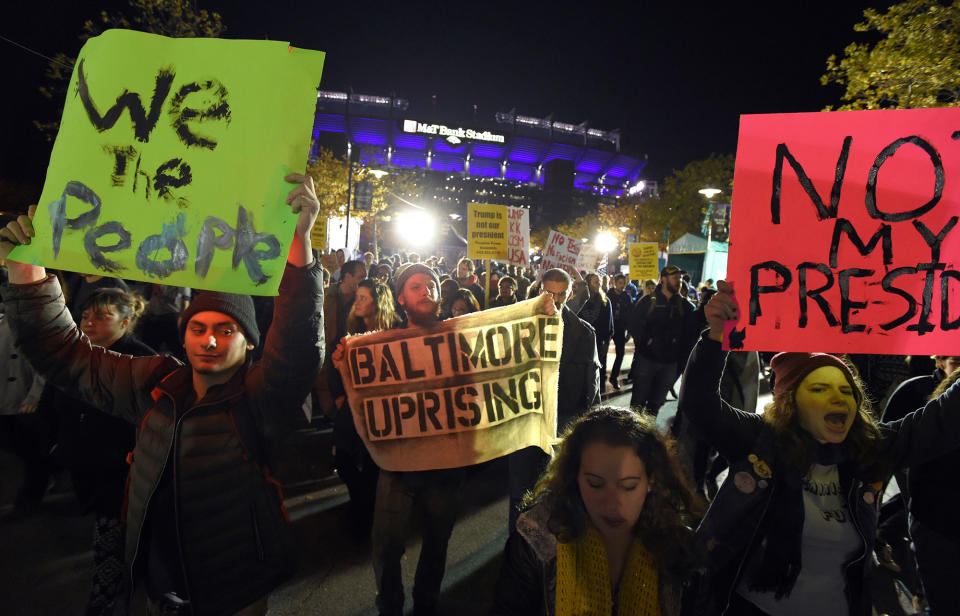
(331, 173)
(173, 18)
(680, 205)
(916, 63)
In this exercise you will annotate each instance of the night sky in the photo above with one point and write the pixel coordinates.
(673, 77)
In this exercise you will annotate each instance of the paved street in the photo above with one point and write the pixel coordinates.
(46, 560)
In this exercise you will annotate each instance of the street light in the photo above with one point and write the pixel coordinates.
(709, 193)
(605, 242)
(416, 227)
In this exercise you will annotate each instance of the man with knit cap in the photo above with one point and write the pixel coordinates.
(206, 528)
(431, 497)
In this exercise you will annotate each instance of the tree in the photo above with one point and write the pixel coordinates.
(173, 18)
(680, 205)
(330, 175)
(915, 64)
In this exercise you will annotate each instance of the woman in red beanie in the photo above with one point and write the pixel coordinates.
(792, 528)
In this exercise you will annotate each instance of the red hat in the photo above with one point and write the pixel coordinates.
(791, 368)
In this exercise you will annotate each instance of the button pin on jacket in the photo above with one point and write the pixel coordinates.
(745, 482)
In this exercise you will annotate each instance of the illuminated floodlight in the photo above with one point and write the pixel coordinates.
(416, 227)
(623, 229)
(378, 173)
(636, 188)
(605, 242)
(709, 193)
(455, 216)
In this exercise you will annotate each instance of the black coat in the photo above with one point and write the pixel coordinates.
(664, 330)
(579, 369)
(88, 437)
(231, 529)
(603, 324)
(933, 489)
(731, 528)
(527, 585)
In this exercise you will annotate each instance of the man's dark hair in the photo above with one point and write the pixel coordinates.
(619, 277)
(355, 268)
(469, 263)
(557, 275)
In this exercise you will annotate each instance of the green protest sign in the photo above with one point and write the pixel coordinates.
(170, 160)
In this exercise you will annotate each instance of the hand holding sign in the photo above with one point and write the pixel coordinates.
(303, 201)
(549, 307)
(721, 308)
(18, 233)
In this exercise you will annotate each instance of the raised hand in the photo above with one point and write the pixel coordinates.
(721, 307)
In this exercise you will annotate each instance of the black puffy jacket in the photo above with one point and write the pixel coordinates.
(231, 529)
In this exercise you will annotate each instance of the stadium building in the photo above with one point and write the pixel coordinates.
(508, 159)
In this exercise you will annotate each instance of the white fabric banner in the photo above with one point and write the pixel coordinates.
(465, 391)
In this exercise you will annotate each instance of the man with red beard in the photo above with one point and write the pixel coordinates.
(434, 494)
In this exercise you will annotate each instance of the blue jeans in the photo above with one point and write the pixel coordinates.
(651, 382)
(435, 496)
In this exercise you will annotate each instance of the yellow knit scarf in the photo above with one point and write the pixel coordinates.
(583, 580)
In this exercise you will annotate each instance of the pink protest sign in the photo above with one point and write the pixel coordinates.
(561, 251)
(518, 236)
(843, 232)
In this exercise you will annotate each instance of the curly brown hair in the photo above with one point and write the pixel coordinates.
(670, 507)
(863, 444)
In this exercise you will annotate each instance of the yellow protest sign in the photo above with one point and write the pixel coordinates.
(464, 391)
(318, 235)
(644, 261)
(487, 228)
(170, 161)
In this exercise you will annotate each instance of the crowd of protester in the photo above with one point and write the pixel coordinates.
(624, 518)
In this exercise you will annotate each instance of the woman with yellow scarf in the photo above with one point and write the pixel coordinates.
(606, 529)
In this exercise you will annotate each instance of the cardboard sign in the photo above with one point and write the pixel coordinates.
(318, 235)
(465, 391)
(644, 261)
(844, 234)
(170, 161)
(337, 236)
(589, 258)
(487, 231)
(561, 251)
(518, 236)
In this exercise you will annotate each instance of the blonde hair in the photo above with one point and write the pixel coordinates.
(603, 296)
(385, 317)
